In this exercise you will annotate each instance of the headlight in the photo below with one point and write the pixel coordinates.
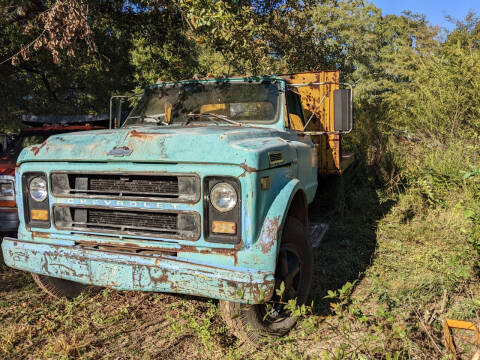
(223, 197)
(7, 190)
(38, 189)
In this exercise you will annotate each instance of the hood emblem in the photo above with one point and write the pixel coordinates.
(120, 151)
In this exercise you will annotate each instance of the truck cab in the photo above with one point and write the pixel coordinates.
(203, 190)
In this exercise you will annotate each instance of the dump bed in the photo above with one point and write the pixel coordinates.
(317, 90)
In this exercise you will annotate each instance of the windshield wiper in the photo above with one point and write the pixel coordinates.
(149, 119)
(153, 119)
(209, 116)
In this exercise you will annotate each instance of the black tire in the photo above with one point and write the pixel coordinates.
(58, 288)
(252, 322)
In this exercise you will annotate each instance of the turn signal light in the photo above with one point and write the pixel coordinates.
(224, 227)
(39, 215)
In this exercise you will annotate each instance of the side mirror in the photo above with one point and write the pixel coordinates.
(343, 110)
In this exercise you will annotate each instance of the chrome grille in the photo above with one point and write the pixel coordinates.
(165, 187)
(132, 220)
(181, 225)
(147, 186)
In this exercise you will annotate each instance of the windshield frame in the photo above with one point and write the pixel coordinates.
(279, 114)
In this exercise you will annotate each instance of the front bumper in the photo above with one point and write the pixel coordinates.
(8, 220)
(133, 271)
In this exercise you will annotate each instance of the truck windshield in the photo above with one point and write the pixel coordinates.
(230, 101)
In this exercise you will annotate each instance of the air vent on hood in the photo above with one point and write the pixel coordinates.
(276, 157)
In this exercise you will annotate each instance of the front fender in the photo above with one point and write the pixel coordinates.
(267, 246)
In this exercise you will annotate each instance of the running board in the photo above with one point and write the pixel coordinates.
(317, 232)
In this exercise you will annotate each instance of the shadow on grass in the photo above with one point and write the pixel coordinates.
(351, 207)
(11, 280)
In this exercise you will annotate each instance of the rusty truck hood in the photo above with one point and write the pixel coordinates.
(245, 145)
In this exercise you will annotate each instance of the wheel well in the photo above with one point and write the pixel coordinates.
(298, 207)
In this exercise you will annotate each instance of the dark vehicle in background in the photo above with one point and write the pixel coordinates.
(5, 140)
(38, 130)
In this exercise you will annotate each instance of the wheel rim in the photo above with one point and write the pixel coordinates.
(289, 272)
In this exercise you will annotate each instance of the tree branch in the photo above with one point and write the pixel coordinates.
(28, 10)
(46, 82)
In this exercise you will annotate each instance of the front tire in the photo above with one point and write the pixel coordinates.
(256, 323)
(58, 288)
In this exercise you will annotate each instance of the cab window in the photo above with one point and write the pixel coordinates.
(296, 120)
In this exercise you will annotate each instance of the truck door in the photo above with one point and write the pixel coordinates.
(306, 170)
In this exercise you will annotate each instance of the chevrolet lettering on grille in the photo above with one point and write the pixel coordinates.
(117, 203)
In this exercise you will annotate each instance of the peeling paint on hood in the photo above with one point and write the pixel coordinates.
(246, 145)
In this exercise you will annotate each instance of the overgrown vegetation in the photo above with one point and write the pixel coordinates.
(403, 246)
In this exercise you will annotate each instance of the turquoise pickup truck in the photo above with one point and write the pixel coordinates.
(202, 190)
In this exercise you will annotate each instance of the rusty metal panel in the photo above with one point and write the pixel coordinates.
(127, 271)
(319, 100)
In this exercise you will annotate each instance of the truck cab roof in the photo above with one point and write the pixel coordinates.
(223, 79)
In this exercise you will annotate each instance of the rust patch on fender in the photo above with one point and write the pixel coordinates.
(270, 234)
(256, 289)
(248, 169)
